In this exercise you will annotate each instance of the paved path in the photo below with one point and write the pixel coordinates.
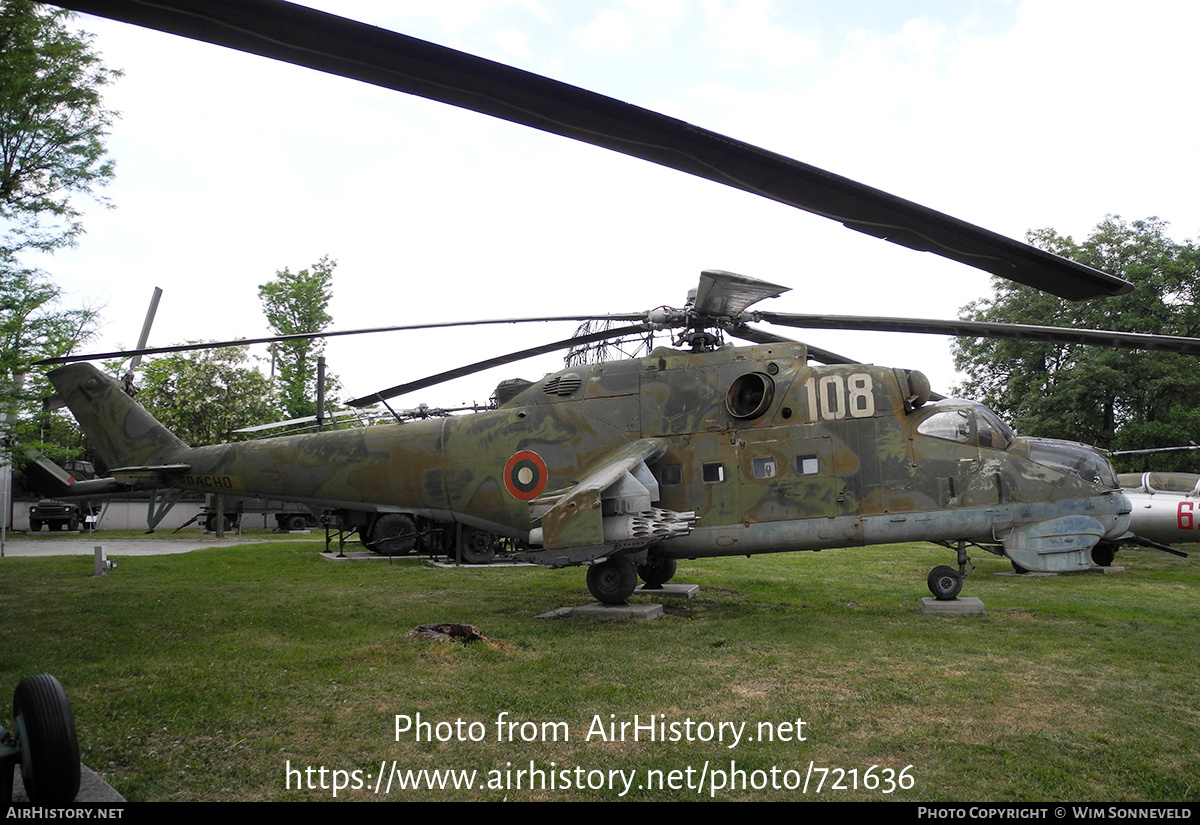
(120, 547)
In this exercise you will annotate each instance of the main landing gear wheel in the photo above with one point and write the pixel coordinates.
(1018, 568)
(49, 748)
(945, 582)
(612, 581)
(656, 572)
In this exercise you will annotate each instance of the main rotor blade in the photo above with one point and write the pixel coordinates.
(151, 310)
(762, 336)
(321, 41)
(306, 336)
(727, 293)
(1154, 450)
(983, 329)
(500, 360)
(823, 356)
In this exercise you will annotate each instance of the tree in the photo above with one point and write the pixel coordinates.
(202, 396)
(52, 126)
(33, 325)
(1114, 399)
(297, 303)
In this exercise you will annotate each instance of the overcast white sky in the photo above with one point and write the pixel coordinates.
(1013, 115)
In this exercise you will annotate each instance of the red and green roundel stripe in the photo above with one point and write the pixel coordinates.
(525, 475)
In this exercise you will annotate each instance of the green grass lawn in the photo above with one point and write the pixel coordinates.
(205, 675)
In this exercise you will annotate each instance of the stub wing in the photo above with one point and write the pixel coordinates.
(609, 510)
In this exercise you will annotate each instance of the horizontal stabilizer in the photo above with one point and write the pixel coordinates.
(150, 476)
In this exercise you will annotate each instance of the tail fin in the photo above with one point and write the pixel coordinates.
(120, 429)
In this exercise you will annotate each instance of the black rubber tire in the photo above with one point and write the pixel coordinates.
(945, 583)
(479, 547)
(657, 572)
(394, 534)
(612, 581)
(35, 526)
(210, 523)
(73, 525)
(1103, 554)
(1018, 568)
(297, 522)
(49, 747)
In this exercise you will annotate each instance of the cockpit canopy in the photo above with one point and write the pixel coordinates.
(977, 426)
(972, 424)
(1074, 459)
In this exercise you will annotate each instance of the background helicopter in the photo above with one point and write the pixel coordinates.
(376, 56)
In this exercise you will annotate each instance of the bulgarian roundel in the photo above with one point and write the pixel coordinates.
(525, 475)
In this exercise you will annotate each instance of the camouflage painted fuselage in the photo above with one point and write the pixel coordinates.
(740, 451)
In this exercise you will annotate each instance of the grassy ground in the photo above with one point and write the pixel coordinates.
(206, 675)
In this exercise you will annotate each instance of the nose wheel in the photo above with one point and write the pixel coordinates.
(945, 583)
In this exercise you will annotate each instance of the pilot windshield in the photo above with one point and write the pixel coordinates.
(1075, 459)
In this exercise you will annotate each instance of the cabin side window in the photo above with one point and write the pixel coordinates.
(712, 472)
(951, 425)
(765, 467)
(807, 465)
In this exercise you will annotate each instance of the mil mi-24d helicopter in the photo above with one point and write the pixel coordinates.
(704, 449)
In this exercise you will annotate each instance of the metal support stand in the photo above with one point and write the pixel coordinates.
(154, 516)
(341, 535)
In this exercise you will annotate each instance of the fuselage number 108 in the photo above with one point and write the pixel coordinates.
(833, 397)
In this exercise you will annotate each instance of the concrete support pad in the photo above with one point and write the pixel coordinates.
(636, 612)
(1113, 569)
(970, 606)
(668, 590)
(92, 789)
(1012, 574)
